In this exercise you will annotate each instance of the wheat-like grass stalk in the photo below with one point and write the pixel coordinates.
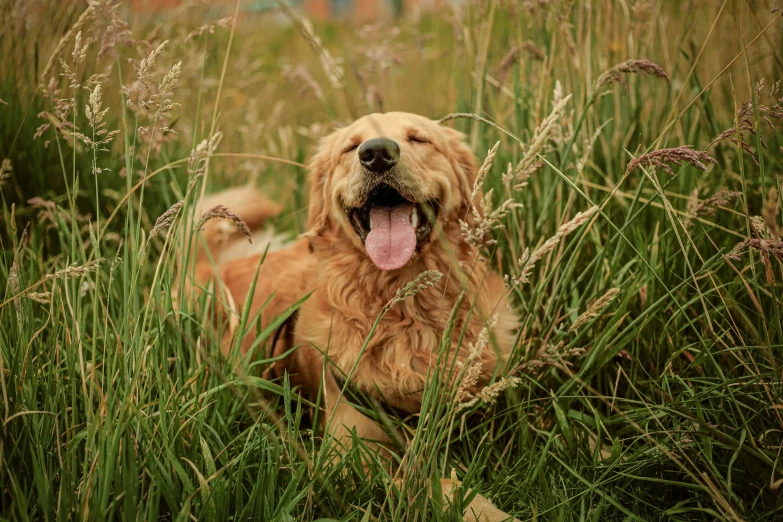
(482, 172)
(421, 282)
(101, 137)
(75, 270)
(470, 369)
(470, 372)
(528, 260)
(165, 88)
(69, 272)
(595, 309)
(529, 163)
(468, 381)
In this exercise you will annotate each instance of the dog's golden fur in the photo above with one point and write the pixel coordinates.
(349, 290)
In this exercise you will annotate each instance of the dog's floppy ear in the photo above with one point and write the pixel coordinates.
(318, 173)
(463, 160)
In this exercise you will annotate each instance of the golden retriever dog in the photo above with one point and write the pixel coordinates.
(386, 196)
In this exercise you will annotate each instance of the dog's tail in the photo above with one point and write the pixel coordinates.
(233, 224)
(222, 240)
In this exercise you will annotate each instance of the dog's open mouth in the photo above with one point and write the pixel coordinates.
(391, 226)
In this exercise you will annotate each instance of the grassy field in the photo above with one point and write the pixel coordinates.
(649, 358)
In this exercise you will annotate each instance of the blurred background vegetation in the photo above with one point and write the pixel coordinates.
(278, 99)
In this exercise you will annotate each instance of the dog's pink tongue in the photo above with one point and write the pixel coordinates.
(392, 240)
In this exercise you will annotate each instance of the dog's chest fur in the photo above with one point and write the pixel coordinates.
(394, 364)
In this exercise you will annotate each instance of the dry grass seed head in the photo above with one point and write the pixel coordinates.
(5, 170)
(79, 51)
(562, 128)
(478, 233)
(477, 348)
(49, 211)
(210, 28)
(78, 55)
(766, 247)
(529, 162)
(40, 297)
(659, 158)
(101, 136)
(329, 64)
(707, 207)
(199, 157)
(489, 394)
(12, 285)
(772, 247)
(469, 379)
(528, 260)
(471, 372)
(759, 228)
(548, 355)
(166, 87)
(770, 213)
(639, 66)
(470, 368)
(164, 222)
(220, 211)
(144, 96)
(300, 77)
(424, 280)
(115, 30)
(746, 116)
(76, 270)
(513, 56)
(595, 309)
(76, 28)
(482, 172)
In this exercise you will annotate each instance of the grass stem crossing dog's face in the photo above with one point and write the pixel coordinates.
(389, 182)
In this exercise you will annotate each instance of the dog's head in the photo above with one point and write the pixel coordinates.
(388, 182)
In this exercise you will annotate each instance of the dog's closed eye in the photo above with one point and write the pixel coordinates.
(349, 148)
(417, 138)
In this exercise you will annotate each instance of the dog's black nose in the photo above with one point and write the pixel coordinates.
(379, 155)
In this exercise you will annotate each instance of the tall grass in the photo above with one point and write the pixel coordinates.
(647, 370)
